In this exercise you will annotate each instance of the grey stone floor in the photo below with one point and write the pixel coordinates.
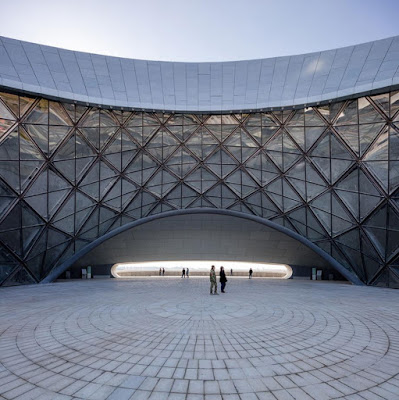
(167, 338)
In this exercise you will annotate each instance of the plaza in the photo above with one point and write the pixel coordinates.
(167, 338)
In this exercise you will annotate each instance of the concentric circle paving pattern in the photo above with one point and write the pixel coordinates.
(167, 338)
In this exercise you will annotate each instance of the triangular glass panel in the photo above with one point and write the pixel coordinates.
(58, 115)
(27, 148)
(91, 119)
(291, 199)
(66, 224)
(90, 226)
(181, 196)
(107, 119)
(92, 135)
(382, 102)
(129, 149)
(20, 276)
(201, 180)
(382, 278)
(8, 264)
(141, 205)
(6, 197)
(324, 166)
(201, 202)
(394, 143)
(297, 119)
(367, 113)
(181, 162)
(5, 125)
(135, 120)
(24, 105)
(221, 163)
(39, 204)
(312, 134)
(161, 208)
(106, 134)
(348, 115)
(393, 175)
(298, 134)
(221, 196)
(261, 205)
(9, 171)
(341, 220)
(322, 148)
(350, 134)
(141, 168)
(313, 118)
(338, 167)
(74, 111)
(240, 145)
(379, 169)
(202, 143)
(9, 148)
(261, 168)
(255, 132)
(27, 171)
(338, 150)
(241, 183)
(367, 134)
(321, 207)
(39, 113)
(56, 135)
(315, 230)
(161, 183)
(351, 200)
(13, 239)
(11, 101)
(162, 145)
(281, 116)
(379, 150)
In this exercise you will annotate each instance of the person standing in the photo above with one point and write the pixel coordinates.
(188, 273)
(250, 273)
(183, 273)
(212, 277)
(231, 272)
(160, 271)
(163, 271)
(223, 279)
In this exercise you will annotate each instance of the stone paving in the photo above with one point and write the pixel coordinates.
(167, 338)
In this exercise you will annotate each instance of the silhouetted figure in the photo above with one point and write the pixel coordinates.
(223, 279)
(163, 272)
(188, 273)
(250, 273)
(160, 271)
(212, 278)
(231, 272)
(183, 273)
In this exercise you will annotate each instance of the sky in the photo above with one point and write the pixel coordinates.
(199, 30)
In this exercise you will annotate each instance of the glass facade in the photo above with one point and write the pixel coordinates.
(70, 173)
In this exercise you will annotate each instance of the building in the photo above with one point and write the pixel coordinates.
(306, 145)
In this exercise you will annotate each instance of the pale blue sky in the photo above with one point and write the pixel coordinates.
(199, 30)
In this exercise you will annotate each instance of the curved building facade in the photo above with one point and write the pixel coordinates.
(90, 144)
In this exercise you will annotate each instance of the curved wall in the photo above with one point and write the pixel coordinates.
(307, 79)
(69, 174)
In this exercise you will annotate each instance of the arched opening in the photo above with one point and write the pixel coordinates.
(200, 268)
(208, 234)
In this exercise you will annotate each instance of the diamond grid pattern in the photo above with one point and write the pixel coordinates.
(69, 174)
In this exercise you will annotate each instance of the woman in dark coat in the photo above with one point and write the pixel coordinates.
(223, 279)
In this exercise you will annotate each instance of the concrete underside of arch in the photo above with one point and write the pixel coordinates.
(203, 235)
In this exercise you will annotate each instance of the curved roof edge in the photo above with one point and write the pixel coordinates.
(263, 84)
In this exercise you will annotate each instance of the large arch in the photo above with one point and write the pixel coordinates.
(72, 260)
